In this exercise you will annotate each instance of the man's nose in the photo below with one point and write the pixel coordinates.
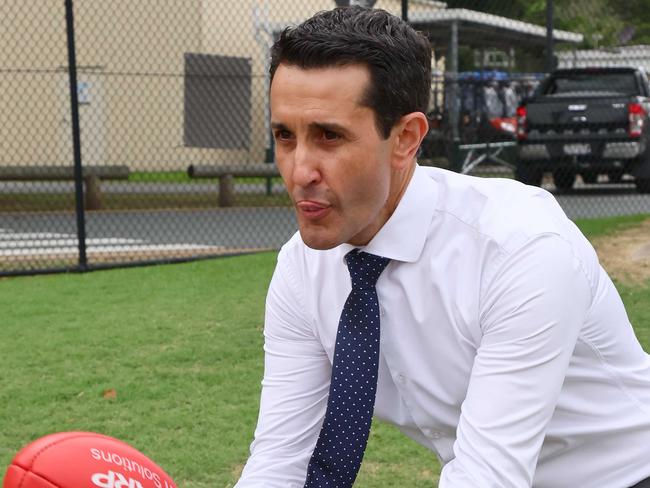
(306, 169)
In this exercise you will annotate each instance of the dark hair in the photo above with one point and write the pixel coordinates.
(398, 57)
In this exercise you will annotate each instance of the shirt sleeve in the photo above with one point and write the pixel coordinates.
(530, 314)
(294, 389)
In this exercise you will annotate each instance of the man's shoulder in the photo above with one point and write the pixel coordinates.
(500, 209)
(292, 251)
(293, 245)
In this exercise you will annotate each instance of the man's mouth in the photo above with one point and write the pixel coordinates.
(313, 210)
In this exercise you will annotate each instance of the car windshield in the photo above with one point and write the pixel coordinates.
(624, 83)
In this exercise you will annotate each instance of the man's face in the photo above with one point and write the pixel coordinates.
(335, 165)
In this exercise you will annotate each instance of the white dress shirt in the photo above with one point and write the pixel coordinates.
(505, 347)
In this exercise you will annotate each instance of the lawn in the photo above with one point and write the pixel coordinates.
(169, 359)
(609, 225)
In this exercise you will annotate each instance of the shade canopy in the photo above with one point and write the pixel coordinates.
(478, 29)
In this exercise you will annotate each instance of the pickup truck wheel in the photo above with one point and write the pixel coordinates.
(642, 185)
(615, 176)
(589, 178)
(528, 176)
(563, 180)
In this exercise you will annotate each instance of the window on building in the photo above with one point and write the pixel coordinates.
(217, 101)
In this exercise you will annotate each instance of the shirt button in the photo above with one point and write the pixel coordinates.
(400, 379)
(382, 311)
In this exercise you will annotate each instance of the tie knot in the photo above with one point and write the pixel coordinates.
(365, 268)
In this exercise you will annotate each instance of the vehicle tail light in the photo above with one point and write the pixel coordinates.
(636, 115)
(507, 124)
(521, 122)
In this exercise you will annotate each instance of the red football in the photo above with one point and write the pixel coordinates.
(80, 460)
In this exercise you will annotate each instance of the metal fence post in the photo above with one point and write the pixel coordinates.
(550, 61)
(76, 137)
(454, 108)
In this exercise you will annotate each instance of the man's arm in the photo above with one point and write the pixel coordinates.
(531, 315)
(294, 389)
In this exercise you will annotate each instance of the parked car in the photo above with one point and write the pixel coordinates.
(586, 121)
(486, 103)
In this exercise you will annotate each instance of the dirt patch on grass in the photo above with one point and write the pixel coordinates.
(626, 254)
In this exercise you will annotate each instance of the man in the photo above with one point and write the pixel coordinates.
(503, 346)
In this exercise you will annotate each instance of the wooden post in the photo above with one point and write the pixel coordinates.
(93, 193)
(226, 191)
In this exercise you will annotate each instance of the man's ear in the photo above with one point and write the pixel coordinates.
(408, 133)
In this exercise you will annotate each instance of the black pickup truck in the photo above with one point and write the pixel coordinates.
(586, 121)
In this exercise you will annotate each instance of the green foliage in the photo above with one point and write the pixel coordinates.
(601, 21)
(596, 19)
(634, 13)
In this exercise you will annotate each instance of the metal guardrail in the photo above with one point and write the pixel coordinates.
(486, 152)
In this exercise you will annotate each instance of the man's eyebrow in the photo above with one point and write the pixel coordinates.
(329, 127)
(278, 125)
(322, 126)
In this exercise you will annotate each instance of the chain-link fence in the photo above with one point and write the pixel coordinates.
(138, 131)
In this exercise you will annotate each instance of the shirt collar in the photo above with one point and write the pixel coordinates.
(403, 235)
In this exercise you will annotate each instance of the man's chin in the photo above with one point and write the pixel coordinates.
(317, 239)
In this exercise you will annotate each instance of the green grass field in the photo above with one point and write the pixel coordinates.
(180, 346)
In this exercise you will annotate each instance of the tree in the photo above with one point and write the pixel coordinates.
(602, 22)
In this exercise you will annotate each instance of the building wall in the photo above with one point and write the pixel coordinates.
(130, 58)
(32, 57)
(136, 104)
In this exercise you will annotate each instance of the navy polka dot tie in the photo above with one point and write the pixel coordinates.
(344, 435)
